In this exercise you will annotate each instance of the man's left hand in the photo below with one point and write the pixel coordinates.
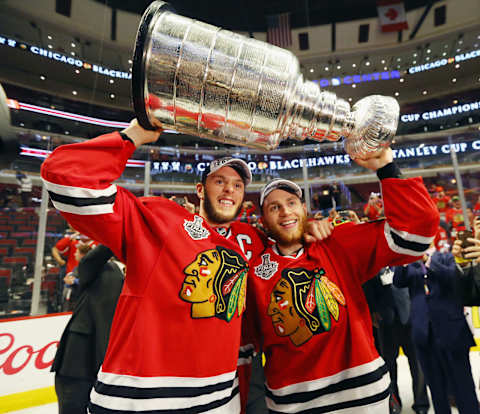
(377, 161)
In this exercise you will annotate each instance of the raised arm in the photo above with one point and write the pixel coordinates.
(79, 178)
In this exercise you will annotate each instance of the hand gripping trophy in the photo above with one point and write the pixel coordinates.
(205, 81)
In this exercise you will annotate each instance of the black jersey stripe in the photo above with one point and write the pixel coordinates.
(82, 202)
(408, 244)
(96, 409)
(361, 402)
(159, 392)
(346, 384)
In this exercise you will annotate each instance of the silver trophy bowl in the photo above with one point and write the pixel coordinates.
(205, 81)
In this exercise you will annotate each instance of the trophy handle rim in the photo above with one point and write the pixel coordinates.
(138, 66)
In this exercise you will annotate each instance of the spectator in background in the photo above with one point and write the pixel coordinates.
(72, 280)
(390, 308)
(441, 200)
(439, 330)
(64, 250)
(374, 207)
(25, 188)
(476, 207)
(247, 212)
(454, 217)
(84, 341)
(442, 239)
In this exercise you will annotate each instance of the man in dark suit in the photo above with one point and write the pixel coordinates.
(390, 308)
(439, 331)
(85, 338)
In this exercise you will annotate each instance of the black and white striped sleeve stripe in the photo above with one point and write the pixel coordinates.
(82, 201)
(402, 242)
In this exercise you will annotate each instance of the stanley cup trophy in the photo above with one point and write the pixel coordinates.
(205, 81)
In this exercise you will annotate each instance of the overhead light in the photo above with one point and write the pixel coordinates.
(457, 65)
(383, 61)
(396, 94)
(350, 100)
(130, 61)
(22, 124)
(327, 68)
(73, 44)
(367, 63)
(427, 58)
(402, 80)
(339, 67)
(429, 50)
(415, 54)
(455, 101)
(460, 42)
(311, 70)
(398, 66)
(385, 68)
(49, 37)
(77, 71)
(354, 86)
(74, 92)
(112, 96)
(67, 132)
(42, 77)
(414, 62)
(50, 46)
(445, 46)
(111, 81)
(399, 59)
(354, 65)
(444, 54)
(424, 92)
(453, 181)
(458, 50)
(454, 80)
(475, 45)
(72, 53)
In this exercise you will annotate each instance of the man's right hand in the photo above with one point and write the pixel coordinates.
(139, 135)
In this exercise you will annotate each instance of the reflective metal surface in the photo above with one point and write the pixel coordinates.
(208, 82)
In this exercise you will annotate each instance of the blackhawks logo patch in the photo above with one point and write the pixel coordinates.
(215, 284)
(303, 303)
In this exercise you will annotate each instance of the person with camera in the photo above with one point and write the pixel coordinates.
(440, 331)
(374, 207)
(305, 302)
(466, 250)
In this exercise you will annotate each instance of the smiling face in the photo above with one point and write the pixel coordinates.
(221, 196)
(197, 286)
(284, 216)
(285, 318)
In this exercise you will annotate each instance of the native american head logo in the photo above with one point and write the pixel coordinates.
(215, 284)
(302, 304)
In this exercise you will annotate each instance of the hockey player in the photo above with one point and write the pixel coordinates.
(176, 332)
(307, 303)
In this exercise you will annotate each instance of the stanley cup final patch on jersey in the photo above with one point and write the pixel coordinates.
(267, 268)
(195, 228)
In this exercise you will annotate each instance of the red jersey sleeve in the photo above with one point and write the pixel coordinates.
(410, 226)
(79, 178)
(63, 245)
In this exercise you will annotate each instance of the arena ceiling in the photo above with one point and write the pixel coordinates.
(249, 15)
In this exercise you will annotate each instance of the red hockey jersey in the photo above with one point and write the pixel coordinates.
(176, 332)
(311, 315)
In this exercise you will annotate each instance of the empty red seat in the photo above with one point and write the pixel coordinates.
(8, 242)
(15, 260)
